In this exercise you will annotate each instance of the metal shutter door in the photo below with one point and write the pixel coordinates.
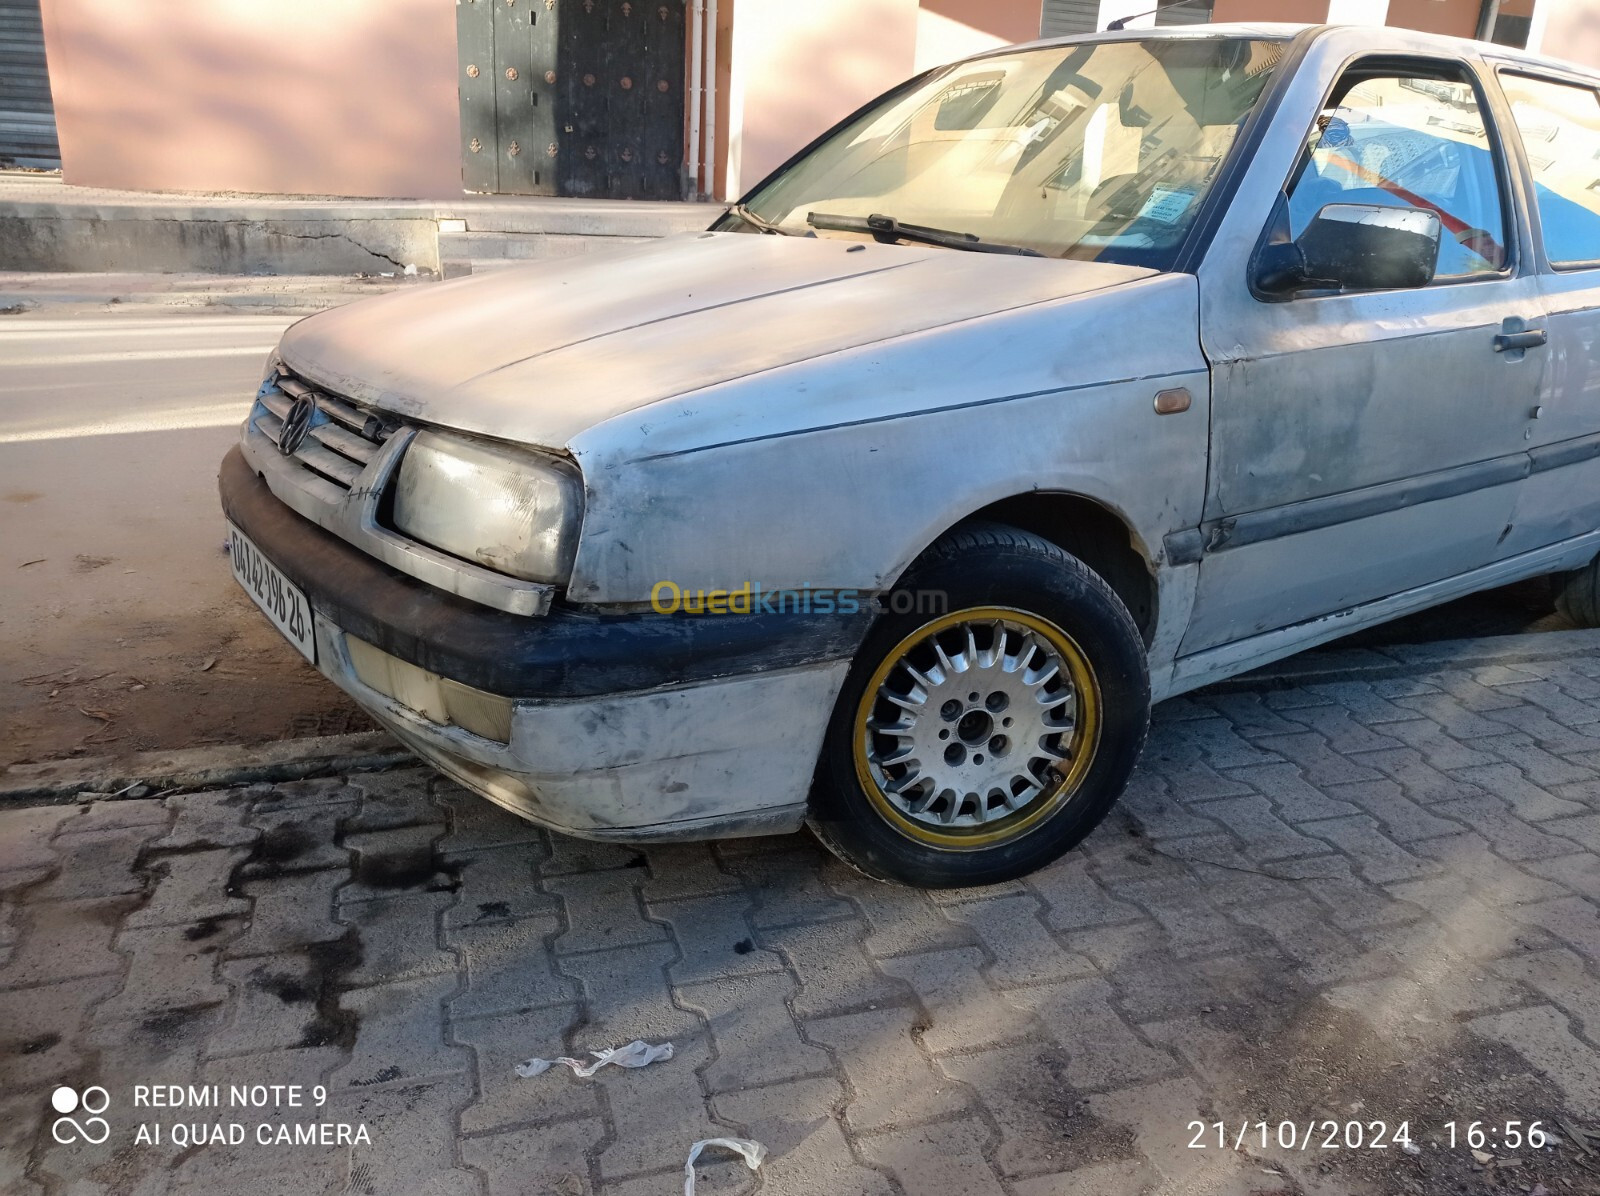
(1061, 17)
(27, 121)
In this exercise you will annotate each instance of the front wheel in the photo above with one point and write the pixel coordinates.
(981, 740)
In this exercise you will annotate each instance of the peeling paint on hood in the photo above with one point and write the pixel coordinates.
(538, 354)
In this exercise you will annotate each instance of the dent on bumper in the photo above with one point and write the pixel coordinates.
(728, 757)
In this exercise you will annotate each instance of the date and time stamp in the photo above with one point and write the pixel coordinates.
(1479, 1136)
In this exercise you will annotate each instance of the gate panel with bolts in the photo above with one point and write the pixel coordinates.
(524, 44)
(583, 93)
(480, 159)
(572, 97)
(663, 98)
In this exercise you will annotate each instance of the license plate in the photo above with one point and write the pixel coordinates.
(274, 593)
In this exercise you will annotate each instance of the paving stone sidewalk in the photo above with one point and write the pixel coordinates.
(1353, 902)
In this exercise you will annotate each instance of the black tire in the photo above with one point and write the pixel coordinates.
(982, 566)
(1578, 595)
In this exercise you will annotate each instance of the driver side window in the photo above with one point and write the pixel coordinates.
(1412, 142)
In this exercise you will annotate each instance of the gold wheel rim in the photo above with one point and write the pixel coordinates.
(1014, 753)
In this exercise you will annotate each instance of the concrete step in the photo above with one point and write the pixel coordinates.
(472, 252)
(474, 246)
(574, 217)
(482, 265)
(46, 224)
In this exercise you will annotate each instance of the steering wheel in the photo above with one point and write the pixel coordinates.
(1116, 198)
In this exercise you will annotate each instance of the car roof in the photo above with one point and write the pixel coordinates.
(1383, 38)
(1264, 30)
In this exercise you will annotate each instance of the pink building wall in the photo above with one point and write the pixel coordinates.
(1456, 19)
(952, 29)
(1306, 11)
(358, 97)
(1571, 30)
(795, 69)
(317, 97)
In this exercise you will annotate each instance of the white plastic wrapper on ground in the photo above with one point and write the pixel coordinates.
(753, 1153)
(637, 1053)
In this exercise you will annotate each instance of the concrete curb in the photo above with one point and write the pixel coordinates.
(201, 768)
(269, 304)
(23, 291)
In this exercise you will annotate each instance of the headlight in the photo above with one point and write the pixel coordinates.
(506, 510)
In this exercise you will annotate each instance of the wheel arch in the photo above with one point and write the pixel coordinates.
(1098, 536)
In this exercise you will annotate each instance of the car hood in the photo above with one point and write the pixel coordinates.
(538, 354)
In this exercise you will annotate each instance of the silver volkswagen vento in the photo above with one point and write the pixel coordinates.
(1053, 383)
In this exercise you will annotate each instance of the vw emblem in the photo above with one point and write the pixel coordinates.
(296, 424)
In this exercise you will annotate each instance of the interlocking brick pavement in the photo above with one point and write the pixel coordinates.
(1351, 901)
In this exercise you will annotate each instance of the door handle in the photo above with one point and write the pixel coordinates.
(1531, 339)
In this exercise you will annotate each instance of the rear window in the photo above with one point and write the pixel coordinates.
(1560, 128)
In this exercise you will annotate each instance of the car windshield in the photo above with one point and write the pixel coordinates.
(1101, 150)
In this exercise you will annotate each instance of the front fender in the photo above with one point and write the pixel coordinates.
(837, 472)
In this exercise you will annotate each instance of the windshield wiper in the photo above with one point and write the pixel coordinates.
(761, 222)
(887, 228)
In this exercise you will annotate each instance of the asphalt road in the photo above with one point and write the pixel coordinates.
(117, 592)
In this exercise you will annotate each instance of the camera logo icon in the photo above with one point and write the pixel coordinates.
(94, 1129)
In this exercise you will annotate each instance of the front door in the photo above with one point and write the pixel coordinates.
(1365, 444)
(572, 97)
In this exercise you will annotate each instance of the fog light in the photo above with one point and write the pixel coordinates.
(437, 699)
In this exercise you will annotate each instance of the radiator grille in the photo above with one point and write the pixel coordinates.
(342, 440)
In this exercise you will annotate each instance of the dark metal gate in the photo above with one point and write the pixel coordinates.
(572, 97)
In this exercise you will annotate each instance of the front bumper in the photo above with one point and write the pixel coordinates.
(627, 727)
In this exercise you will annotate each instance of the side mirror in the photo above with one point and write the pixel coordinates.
(1353, 247)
